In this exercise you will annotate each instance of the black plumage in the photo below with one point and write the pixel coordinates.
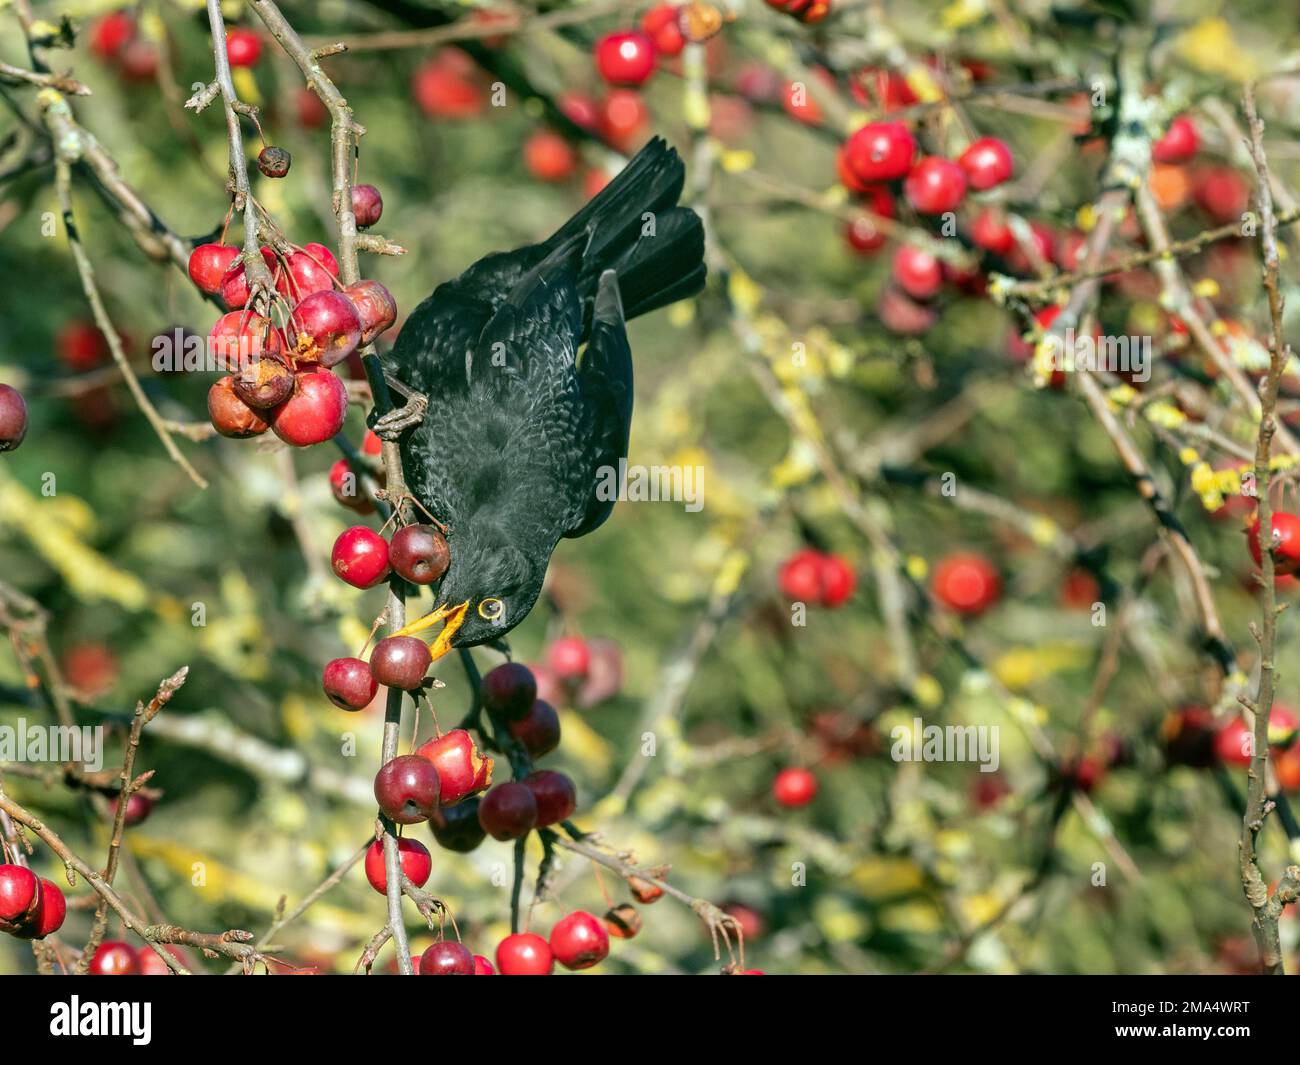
(518, 425)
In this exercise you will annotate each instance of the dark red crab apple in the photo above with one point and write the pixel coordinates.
(447, 959)
(13, 417)
(406, 789)
(579, 941)
(138, 808)
(555, 795)
(349, 684)
(367, 204)
(457, 828)
(360, 557)
(315, 412)
(538, 730)
(274, 161)
(416, 861)
(509, 691)
(462, 769)
(508, 811)
(375, 306)
(419, 553)
(400, 662)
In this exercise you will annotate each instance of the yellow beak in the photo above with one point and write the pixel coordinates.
(454, 617)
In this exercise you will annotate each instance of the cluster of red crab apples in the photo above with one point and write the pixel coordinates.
(279, 355)
(30, 907)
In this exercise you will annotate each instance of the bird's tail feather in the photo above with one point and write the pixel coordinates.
(635, 227)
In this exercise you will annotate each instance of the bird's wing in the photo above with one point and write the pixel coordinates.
(439, 336)
(605, 376)
(533, 333)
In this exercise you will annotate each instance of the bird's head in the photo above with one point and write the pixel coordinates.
(488, 589)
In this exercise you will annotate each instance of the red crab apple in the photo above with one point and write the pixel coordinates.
(880, 151)
(367, 204)
(419, 553)
(811, 576)
(623, 115)
(20, 892)
(483, 967)
(115, 958)
(538, 730)
(661, 26)
(327, 328)
(569, 657)
(415, 859)
(508, 811)
(208, 265)
(549, 157)
(138, 808)
(509, 691)
(579, 108)
(579, 941)
(308, 271)
(244, 47)
(444, 86)
(604, 677)
(234, 283)
(375, 307)
(555, 795)
(138, 61)
(626, 58)
(967, 583)
(935, 185)
(991, 232)
(239, 338)
(111, 33)
(151, 964)
(230, 415)
(794, 786)
(315, 412)
(987, 162)
(1286, 531)
(406, 789)
(360, 557)
(1234, 742)
(1221, 193)
(447, 959)
(917, 272)
(349, 684)
(49, 914)
(13, 417)
(400, 662)
(312, 113)
(462, 769)
(1179, 144)
(81, 346)
(457, 828)
(525, 954)
(346, 487)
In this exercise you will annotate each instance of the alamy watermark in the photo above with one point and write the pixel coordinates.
(83, 744)
(1127, 355)
(651, 484)
(920, 742)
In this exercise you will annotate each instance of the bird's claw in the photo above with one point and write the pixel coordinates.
(392, 425)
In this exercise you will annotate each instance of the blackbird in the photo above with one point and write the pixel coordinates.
(507, 452)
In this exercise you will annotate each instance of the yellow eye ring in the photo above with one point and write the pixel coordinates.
(491, 609)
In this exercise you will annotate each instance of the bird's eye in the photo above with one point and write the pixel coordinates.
(491, 609)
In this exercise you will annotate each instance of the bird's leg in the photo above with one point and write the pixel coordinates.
(392, 425)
